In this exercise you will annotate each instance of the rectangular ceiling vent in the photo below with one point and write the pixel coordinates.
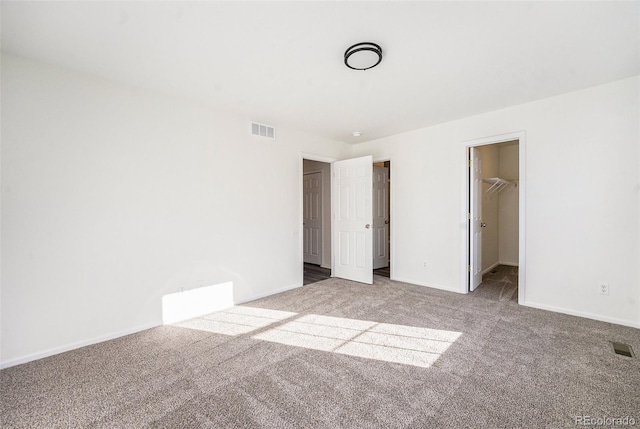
(263, 130)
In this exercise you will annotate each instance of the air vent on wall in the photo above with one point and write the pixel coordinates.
(263, 130)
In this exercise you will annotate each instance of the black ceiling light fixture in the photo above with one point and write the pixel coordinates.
(363, 56)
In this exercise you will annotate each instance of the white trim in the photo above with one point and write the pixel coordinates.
(103, 338)
(508, 264)
(321, 158)
(521, 137)
(429, 285)
(77, 345)
(500, 138)
(311, 171)
(491, 268)
(580, 314)
(269, 293)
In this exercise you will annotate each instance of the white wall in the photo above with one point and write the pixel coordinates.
(582, 199)
(310, 166)
(113, 197)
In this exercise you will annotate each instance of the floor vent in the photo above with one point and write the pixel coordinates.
(622, 349)
(263, 130)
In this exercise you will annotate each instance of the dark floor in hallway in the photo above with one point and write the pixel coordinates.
(315, 273)
(384, 271)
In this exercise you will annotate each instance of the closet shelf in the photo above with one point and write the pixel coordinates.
(498, 184)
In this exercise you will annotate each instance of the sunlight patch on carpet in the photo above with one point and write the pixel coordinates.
(237, 320)
(407, 345)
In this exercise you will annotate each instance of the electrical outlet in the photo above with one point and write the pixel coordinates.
(424, 264)
(604, 289)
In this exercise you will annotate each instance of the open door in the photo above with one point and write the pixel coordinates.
(352, 190)
(475, 218)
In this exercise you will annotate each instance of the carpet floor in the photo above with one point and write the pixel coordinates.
(338, 354)
(500, 284)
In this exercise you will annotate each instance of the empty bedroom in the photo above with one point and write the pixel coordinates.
(321, 214)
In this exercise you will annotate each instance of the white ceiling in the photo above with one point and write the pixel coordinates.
(281, 63)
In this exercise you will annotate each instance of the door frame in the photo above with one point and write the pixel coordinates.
(392, 233)
(310, 157)
(520, 136)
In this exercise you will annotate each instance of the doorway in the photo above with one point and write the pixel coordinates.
(495, 218)
(317, 216)
(316, 220)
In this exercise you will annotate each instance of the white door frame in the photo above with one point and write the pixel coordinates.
(310, 157)
(520, 136)
(392, 230)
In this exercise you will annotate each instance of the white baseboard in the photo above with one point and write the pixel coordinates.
(431, 285)
(491, 267)
(77, 345)
(265, 294)
(581, 314)
(508, 264)
(328, 267)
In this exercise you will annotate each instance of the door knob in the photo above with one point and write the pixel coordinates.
(367, 226)
(483, 225)
(386, 222)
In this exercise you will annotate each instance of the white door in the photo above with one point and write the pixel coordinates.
(352, 214)
(475, 218)
(380, 217)
(312, 218)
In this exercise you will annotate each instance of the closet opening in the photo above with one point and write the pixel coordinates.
(494, 209)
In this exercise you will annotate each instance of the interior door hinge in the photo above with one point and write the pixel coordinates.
(470, 216)
(471, 163)
(469, 268)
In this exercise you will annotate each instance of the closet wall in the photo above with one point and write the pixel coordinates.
(508, 206)
(500, 210)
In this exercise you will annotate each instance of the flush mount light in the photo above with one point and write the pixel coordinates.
(363, 56)
(356, 133)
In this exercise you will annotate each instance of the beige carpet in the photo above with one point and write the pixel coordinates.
(500, 284)
(339, 354)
